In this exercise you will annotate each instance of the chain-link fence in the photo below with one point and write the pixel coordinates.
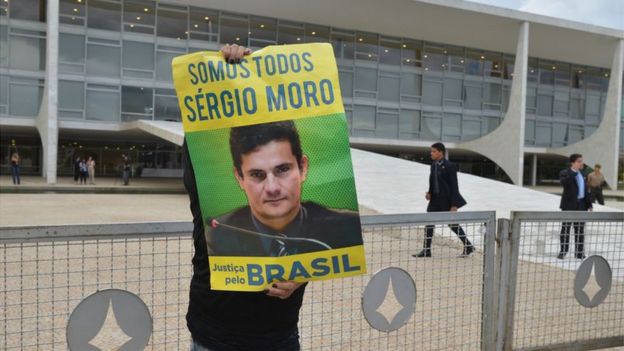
(46, 271)
(547, 250)
(450, 287)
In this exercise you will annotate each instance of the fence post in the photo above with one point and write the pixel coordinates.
(509, 231)
(490, 287)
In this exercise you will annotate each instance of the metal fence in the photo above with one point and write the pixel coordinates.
(511, 294)
(450, 289)
(46, 271)
(541, 311)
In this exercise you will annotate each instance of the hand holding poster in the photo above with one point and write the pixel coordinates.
(269, 144)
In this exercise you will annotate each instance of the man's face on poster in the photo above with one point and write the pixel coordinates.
(271, 179)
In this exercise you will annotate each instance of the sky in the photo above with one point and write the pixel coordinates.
(604, 13)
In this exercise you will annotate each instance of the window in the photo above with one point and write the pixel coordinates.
(493, 64)
(531, 100)
(234, 29)
(166, 105)
(346, 83)
(366, 47)
(451, 125)
(592, 109)
(409, 124)
(366, 79)
(455, 59)
(431, 127)
(508, 66)
(411, 53)
(4, 95)
(529, 132)
(72, 12)
(473, 65)
(488, 124)
(577, 106)
(544, 104)
(136, 103)
(290, 33)
(389, 87)
(103, 60)
(432, 92)
(562, 74)
(70, 99)
(434, 59)
(344, 47)
(547, 72)
(25, 96)
(262, 32)
(387, 125)
(171, 22)
(138, 59)
(559, 134)
(104, 15)
(452, 92)
(492, 96)
(204, 24)
(4, 46)
(472, 96)
(543, 133)
(364, 118)
(411, 84)
(71, 53)
(532, 70)
(139, 16)
(561, 103)
(314, 33)
(103, 103)
(471, 128)
(29, 10)
(27, 50)
(390, 51)
(164, 56)
(575, 134)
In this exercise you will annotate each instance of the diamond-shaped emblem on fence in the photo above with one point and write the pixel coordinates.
(390, 306)
(592, 288)
(389, 299)
(109, 320)
(593, 281)
(110, 337)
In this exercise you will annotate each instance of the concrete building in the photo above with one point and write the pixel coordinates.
(508, 92)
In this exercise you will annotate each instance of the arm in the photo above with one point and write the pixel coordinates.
(567, 177)
(455, 197)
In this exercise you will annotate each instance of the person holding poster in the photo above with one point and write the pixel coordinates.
(269, 175)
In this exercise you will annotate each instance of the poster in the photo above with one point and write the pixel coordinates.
(268, 140)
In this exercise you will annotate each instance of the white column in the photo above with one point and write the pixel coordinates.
(47, 120)
(505, 145)
(602, 146)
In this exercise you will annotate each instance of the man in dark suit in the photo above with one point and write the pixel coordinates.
(443, 195)
(575, 197)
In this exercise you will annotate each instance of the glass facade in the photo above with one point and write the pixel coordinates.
(115, 65)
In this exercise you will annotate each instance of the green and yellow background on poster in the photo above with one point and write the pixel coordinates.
(278, 83)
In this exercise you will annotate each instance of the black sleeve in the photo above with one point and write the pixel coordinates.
(566, 177)
(455, 197)
(191, 188)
